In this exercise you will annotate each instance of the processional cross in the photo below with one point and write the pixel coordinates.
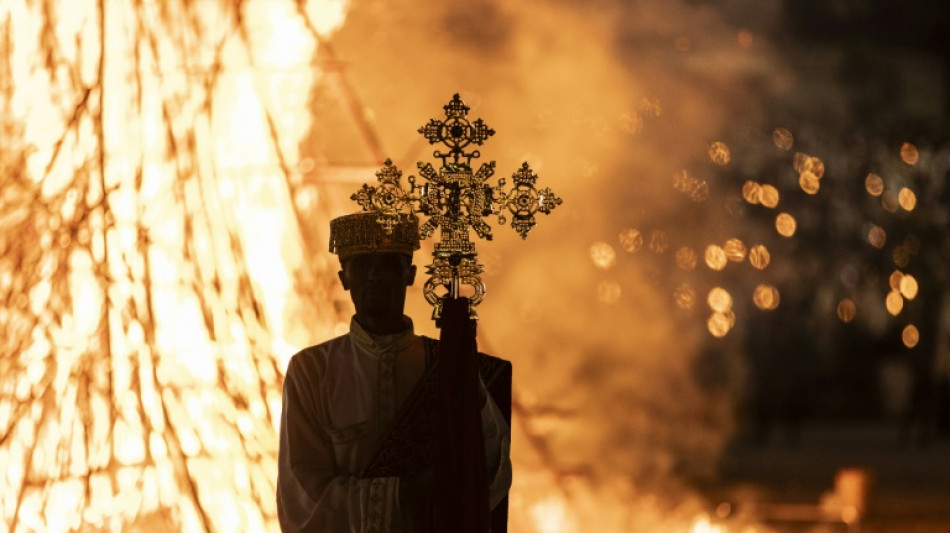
(454, 199)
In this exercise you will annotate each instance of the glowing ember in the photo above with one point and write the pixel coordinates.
(603, 255)
(877, 236)
(909, 154)
(809, 182)
(686, 258)
(608, 292)
(846, 310)
(783, 138)
(735, 250)
(759, 256)
(894, 302)
(719, 153)
(766, 297)
(715, 257)
(750, 192)
(910, 336)
(907, 199)
(874, 184)
(785, 224)
(908, 286)
(719, 300)
(631, 240)
(768, 196)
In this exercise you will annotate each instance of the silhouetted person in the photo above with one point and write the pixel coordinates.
(380, 425)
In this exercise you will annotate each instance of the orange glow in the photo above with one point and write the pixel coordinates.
(719, 153)
(874, 184)
(785, 224)
(894, 302)
(715, 257)
(745, 38)
(766, 297)
(631, 240)
(909, 154)
(846, 310)
(783, 139)
(759, 256)
(603, 255)
(910, 336)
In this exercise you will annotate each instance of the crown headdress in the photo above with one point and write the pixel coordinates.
(455, 198)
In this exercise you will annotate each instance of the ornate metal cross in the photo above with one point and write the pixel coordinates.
(455, 199)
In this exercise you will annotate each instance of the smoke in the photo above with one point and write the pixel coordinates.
(620, 394)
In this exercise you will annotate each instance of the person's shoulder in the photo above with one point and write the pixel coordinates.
(316, 356)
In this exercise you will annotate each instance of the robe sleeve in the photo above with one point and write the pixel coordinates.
(497, 449)
(311, 497)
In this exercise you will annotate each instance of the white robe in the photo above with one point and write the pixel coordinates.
(339, 397)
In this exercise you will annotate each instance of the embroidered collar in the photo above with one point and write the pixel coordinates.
(381, 343)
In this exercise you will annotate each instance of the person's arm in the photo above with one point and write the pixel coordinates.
(311, 497)
(497, 448)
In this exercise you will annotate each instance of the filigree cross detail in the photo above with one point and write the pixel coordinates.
(454, 199)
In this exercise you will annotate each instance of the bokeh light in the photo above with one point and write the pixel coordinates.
(877, 237)
(735, 250)
(768, 195)
(783, 138)
(686, 258)
(785, 224)
(608, 292)
(720, 323)
(631, 240)
(874, 184)
(719, 300)
(846, 310)
(910, 336)
(766, 297)
(685, 296)
(659, 241)
(909, 154)
(907, 199)
(715, 257)
(894, 302)
(809, 182)
(719, 153)
(750, 192)
(603, 255)
(908, 286)
(759, 256)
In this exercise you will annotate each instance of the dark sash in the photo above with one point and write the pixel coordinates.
(410, 444)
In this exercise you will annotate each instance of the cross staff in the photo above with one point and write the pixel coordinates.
(454, 199)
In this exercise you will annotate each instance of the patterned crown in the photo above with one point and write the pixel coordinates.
(361, 233)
